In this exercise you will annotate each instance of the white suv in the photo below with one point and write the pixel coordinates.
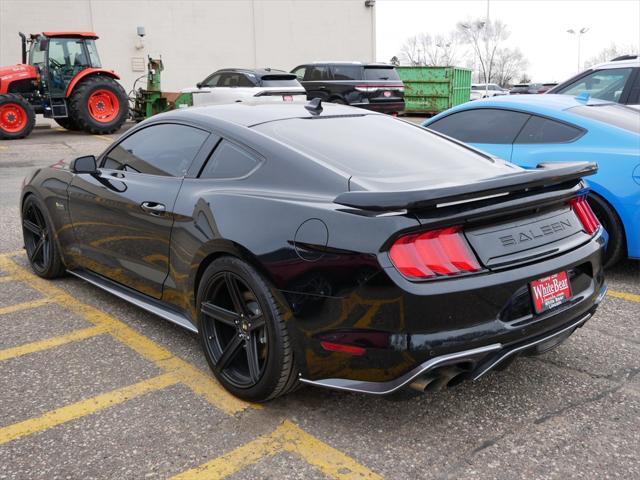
(232, 85)
(483, 90)
(616, 81)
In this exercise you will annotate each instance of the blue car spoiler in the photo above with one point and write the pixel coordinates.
(544, 175)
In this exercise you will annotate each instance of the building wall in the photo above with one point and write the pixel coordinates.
(196, 37)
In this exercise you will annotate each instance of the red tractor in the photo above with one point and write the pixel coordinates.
(64, 80)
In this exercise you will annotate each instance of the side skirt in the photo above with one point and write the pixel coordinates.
(139, 300)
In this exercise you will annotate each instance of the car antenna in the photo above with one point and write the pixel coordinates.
(314, 106)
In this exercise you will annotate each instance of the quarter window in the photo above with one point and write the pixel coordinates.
(483, 125)
(166, 150)
(212, 81)
(229, 161)
(544, 130)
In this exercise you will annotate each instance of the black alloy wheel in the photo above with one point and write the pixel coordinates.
(243, 332)
(235, 332)
(39, 243)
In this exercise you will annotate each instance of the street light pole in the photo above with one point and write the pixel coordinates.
(579, 34)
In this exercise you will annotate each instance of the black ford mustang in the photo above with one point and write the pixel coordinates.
(325, 244)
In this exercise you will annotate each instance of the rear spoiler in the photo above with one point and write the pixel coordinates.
(545, 174)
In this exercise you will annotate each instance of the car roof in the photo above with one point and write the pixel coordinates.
(248, 114)
(624, 63)
(360, 64)
(259, 72)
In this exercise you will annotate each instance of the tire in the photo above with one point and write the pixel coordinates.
(260, 332)
(98, 105)
(68, 123)
(617, 246)
(17, 117)
(39, 240)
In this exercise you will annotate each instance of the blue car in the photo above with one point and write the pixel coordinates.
(532, 129)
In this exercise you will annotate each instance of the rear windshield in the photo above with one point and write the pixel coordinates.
(616, 115)
(380, 73)
(382, 149)
(280, 81)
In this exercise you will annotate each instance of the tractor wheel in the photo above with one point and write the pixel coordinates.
(99, 105)
(68, 123)
(17, 117)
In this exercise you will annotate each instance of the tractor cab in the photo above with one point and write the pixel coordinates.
(60, 56)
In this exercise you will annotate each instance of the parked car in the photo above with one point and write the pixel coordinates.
(324, 244)
(374, 86)
(487, 90)
(231, 85)
(525, 89)
(615, 81)
(546, 87)
(556, 128)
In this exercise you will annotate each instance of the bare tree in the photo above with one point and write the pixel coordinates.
(509, 63)
(485, 39)
(424, 49)
(611, 52)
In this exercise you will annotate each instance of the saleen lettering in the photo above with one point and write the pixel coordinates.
(537, 232)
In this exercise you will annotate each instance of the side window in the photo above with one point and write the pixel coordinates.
(211, 81)
(602, 84)
(543, 130)
(229, 161)
(299, 72)
(347, 72)
(166, 149)
(634, 94)
(318, 73)
(483, 125)
(243, 81)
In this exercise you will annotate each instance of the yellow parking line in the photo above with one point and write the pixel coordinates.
(38, 346)
(2, 147)
(6, 278)
(83, 408)
(25, 305)
(288, 437)
(199, 382)
(102, 137)
(632, 297)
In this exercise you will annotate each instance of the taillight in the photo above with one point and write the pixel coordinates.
(435, 253)
(375, 88)
(583, 210)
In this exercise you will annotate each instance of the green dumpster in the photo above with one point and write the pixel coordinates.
(431, 90)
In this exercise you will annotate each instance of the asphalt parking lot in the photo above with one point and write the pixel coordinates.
(92, 387)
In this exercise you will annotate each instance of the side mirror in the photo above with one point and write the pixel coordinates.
(86, 164)
(199, 84)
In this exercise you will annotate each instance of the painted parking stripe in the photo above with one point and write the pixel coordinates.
(288, 437)
(84, 407)
(632, 297)
(102, 137)
(199, 382)
(25, 305)
(6, 278)
(53, 342)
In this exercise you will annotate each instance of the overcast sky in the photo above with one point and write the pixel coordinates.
(537, 27)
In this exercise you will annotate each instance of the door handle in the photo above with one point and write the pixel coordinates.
(153, 208)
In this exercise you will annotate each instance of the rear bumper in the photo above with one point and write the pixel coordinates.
(478, 361)
(480, 320)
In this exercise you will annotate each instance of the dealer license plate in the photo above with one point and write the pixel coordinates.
(551, 291)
